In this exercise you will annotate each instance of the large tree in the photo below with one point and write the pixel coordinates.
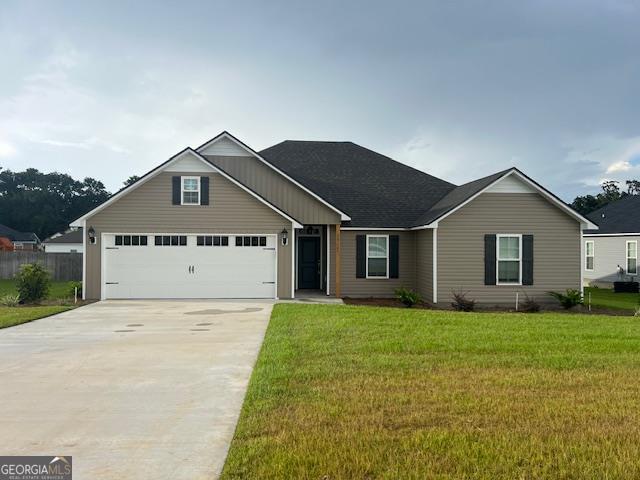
(45, 203)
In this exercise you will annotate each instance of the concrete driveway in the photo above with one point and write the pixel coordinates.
(130, 389)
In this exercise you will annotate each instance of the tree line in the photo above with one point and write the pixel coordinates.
(611, 192)
(45, 203)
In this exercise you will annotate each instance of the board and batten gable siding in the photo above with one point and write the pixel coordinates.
(609, 253)
(424, 263)
(277, 189)
(373, 287)
(556, 247)
(149, 209)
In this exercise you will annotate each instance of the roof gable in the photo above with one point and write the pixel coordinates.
(507, 181)
(225, 137)
(187, 152)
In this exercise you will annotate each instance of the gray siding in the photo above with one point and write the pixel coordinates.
(148, 209)
(424, 264)
(461, 247)
(280, 191)
(609, 253)
(367, 287)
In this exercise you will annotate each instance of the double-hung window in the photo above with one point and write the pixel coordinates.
(589, 254)
(377, 256)
(190, 190)
(632, 257)
(509, 259)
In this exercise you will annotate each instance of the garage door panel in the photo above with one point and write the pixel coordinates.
(189, 271)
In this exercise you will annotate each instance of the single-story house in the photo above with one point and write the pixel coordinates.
(69, 242)
(11, 239)
(225, 221)
(611, 252)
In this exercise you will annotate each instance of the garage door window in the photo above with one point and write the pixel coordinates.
(251, 241)
(170, 240)
(131, 240)
(212, 240)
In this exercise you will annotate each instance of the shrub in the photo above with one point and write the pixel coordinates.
(33, 282)
(72, 289)
(10, 300)
(461, 303)
(408, 297)
(529, 305)
(569, 299)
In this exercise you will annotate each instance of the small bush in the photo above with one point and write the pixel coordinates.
(33, 282)
(408, 297)
(72, 289)
(569, 299)
(529, 305)
(10, 300)
(461, 303)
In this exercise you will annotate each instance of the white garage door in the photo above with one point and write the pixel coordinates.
(188, 266)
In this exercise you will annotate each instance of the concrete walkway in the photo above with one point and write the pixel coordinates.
(130, 389)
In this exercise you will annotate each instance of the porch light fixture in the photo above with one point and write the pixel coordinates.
(285, 236)
(92, 235)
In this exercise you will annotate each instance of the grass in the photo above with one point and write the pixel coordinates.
(359, 392)
(58, 289)
(604, 297)
(10, 316)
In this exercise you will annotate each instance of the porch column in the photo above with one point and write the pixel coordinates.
(338, 261)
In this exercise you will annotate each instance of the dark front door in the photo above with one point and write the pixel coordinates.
(309, 262)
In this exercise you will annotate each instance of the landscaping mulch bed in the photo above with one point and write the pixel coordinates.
(395, 303)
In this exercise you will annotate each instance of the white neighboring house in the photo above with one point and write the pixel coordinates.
(611, 253)
(70, 242)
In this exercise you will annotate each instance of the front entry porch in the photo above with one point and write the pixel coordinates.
(313, 259)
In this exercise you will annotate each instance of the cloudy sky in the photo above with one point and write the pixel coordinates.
(458, 89)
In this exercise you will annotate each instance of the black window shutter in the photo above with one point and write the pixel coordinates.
(394, 256)
(361, 256)
(489, 259)
(175, 182)
(204, 190)
(527, 259)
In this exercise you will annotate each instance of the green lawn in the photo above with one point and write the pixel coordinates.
(58, 289)
(10, 316)
(604, 297)
(359, 392)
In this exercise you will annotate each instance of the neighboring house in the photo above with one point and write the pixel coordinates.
(11, 239)
(611, 252)
(224, 221)
(69, 242)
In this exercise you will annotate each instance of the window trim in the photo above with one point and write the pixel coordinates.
(586, 255)
(509, 235)
(182, 190)
(366, 246)
(627, 257)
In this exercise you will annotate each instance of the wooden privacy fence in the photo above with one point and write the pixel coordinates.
(62, 266)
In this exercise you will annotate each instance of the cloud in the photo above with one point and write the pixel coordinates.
(6, 149)
(620, 166)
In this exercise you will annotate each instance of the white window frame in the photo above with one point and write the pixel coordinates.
(498, 259)
(182, 190)
(586, 255)
(376, 277)
(627, 257)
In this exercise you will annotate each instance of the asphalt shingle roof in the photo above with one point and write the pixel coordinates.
(455, 197)
(374, 190)
(621, 216)
(74, 236)
(16, 236)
